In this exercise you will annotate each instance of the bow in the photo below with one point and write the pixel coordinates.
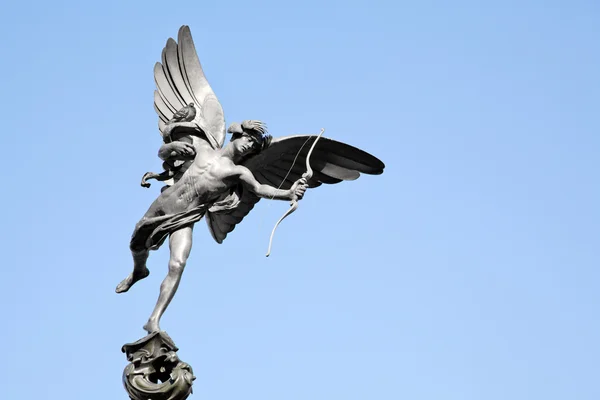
(294, 204)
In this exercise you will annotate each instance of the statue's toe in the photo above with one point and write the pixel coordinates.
(124, 285)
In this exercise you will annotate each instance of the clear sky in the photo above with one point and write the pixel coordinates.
(467, 271)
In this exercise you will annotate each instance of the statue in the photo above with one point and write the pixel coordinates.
(206, 178)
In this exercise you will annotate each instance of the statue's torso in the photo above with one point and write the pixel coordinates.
(205, 180)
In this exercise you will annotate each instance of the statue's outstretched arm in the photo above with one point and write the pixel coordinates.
(269, 192)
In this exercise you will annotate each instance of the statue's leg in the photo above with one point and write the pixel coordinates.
(139, 271)
(180, 245)
(138, 247)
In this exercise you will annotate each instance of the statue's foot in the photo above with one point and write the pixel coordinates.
(151, 326)
(130, 280)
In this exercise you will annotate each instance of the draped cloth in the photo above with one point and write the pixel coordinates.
(151, 232)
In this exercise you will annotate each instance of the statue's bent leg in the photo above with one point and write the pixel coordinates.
(139, 271)
(139, 251)
(180, 245)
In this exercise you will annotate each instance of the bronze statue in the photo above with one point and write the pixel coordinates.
(221, 182)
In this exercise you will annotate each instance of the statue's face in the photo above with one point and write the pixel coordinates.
(245, 145)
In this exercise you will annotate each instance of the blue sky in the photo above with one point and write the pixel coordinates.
(467, 271)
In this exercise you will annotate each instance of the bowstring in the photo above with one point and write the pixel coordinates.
(286, 176)
(293, 163)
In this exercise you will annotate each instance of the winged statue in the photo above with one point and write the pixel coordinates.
(220, 182)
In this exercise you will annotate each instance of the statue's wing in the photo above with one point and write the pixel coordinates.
(223, 216)
(283, 163)
(180, 81)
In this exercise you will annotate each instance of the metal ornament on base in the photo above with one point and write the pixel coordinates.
(155, 372)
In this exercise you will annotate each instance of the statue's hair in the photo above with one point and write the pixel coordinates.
(255, 128)
(255, 125)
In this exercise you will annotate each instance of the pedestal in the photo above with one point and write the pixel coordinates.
(155, 372)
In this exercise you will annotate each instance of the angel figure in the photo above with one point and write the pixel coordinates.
(221, 182)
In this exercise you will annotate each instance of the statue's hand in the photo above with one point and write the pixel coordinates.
(147, 175)
(298, 189)
(179, 150)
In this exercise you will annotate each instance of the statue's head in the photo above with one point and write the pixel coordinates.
(249, 137)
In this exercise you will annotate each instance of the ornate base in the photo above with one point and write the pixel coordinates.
(154, 371)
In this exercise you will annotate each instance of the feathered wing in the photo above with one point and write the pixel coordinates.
(180, 81)
(283, 163)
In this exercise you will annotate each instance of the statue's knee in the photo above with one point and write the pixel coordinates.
(137, 248)
(176, 266)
